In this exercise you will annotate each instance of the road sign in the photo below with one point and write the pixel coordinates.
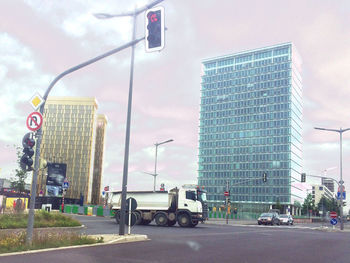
(133, 204)
(333, 214)
(334, 221)
(133, 219)
(65, 183)
(226, 193)
(36, 101)
(34, 121)
(338, 195)
(340, 188)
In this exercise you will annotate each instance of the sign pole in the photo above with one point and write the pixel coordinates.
(227, 202)
(63, 201)
(129, 216)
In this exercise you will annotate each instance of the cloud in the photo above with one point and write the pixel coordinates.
(41, 39)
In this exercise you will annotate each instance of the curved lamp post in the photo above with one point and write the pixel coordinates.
(155, 164)
(341, 182)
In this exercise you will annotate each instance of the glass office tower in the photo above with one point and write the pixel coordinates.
(251, 125)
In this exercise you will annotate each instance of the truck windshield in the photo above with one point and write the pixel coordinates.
(191, 195)
(202, 196)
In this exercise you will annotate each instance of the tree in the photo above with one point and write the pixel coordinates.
(18, 181)
(309, 204)
(278, 205)
(297, 204)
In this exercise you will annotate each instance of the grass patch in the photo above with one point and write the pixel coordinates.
(14, 242)
(41, 219)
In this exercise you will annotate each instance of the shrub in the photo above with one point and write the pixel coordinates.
(41, 219)
(17, 241)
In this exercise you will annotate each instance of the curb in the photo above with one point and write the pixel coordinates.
(108, 239)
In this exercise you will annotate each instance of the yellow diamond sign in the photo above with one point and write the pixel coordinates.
(36, 101)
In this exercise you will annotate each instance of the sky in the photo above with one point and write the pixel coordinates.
(41, 39)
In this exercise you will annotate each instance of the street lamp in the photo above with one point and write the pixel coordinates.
(341, 182)
(133, 14)
(155, 164)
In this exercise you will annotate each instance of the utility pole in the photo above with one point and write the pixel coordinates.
(134, 14)
(227, 196)
(39, 132)
(341, 182)
(155, 162)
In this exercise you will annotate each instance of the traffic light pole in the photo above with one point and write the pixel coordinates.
(128, 118)
(127, 137)
(228, 190)
(30, 224)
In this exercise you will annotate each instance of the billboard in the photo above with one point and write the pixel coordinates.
(56, 173)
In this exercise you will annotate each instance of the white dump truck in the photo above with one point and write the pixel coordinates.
(186, 206)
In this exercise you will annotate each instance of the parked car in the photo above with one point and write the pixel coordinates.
(269, 219)
(274, 211)
(286, 220)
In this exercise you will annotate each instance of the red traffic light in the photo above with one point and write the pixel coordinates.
(154, 29)
(152, 17)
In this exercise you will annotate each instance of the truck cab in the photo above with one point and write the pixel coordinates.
(193, 200)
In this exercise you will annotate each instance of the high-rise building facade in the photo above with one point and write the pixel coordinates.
(251, 125)
(98, 160)
(69, 134)
(329, 183)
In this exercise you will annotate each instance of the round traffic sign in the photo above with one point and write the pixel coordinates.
(334, 221)
(226, 193)
(340, 187)
(133, 203)
(133, 219)
(34, 121)
(333, 214)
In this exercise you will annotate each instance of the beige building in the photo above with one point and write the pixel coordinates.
(98, 160)
(69, 135)
(321, 190)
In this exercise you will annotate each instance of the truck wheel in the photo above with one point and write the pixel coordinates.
(171, 223)
(161, 219)
(184, 220)
(117, 217)
(138, 217)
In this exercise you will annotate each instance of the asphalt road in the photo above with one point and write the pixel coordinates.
(205, 243)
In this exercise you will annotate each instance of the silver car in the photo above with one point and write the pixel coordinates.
(269, 219)
(286, 220)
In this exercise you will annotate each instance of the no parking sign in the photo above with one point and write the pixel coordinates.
(34, 121)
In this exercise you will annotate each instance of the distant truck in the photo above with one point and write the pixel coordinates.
(185, 206)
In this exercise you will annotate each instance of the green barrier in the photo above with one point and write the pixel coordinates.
(99, 211)
(68, 209)
(112, 213)
(75, 209)
(85, 210)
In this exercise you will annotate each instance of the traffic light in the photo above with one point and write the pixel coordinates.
(154, 29)
(303, 177)
(264, 178)
(26, 161)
